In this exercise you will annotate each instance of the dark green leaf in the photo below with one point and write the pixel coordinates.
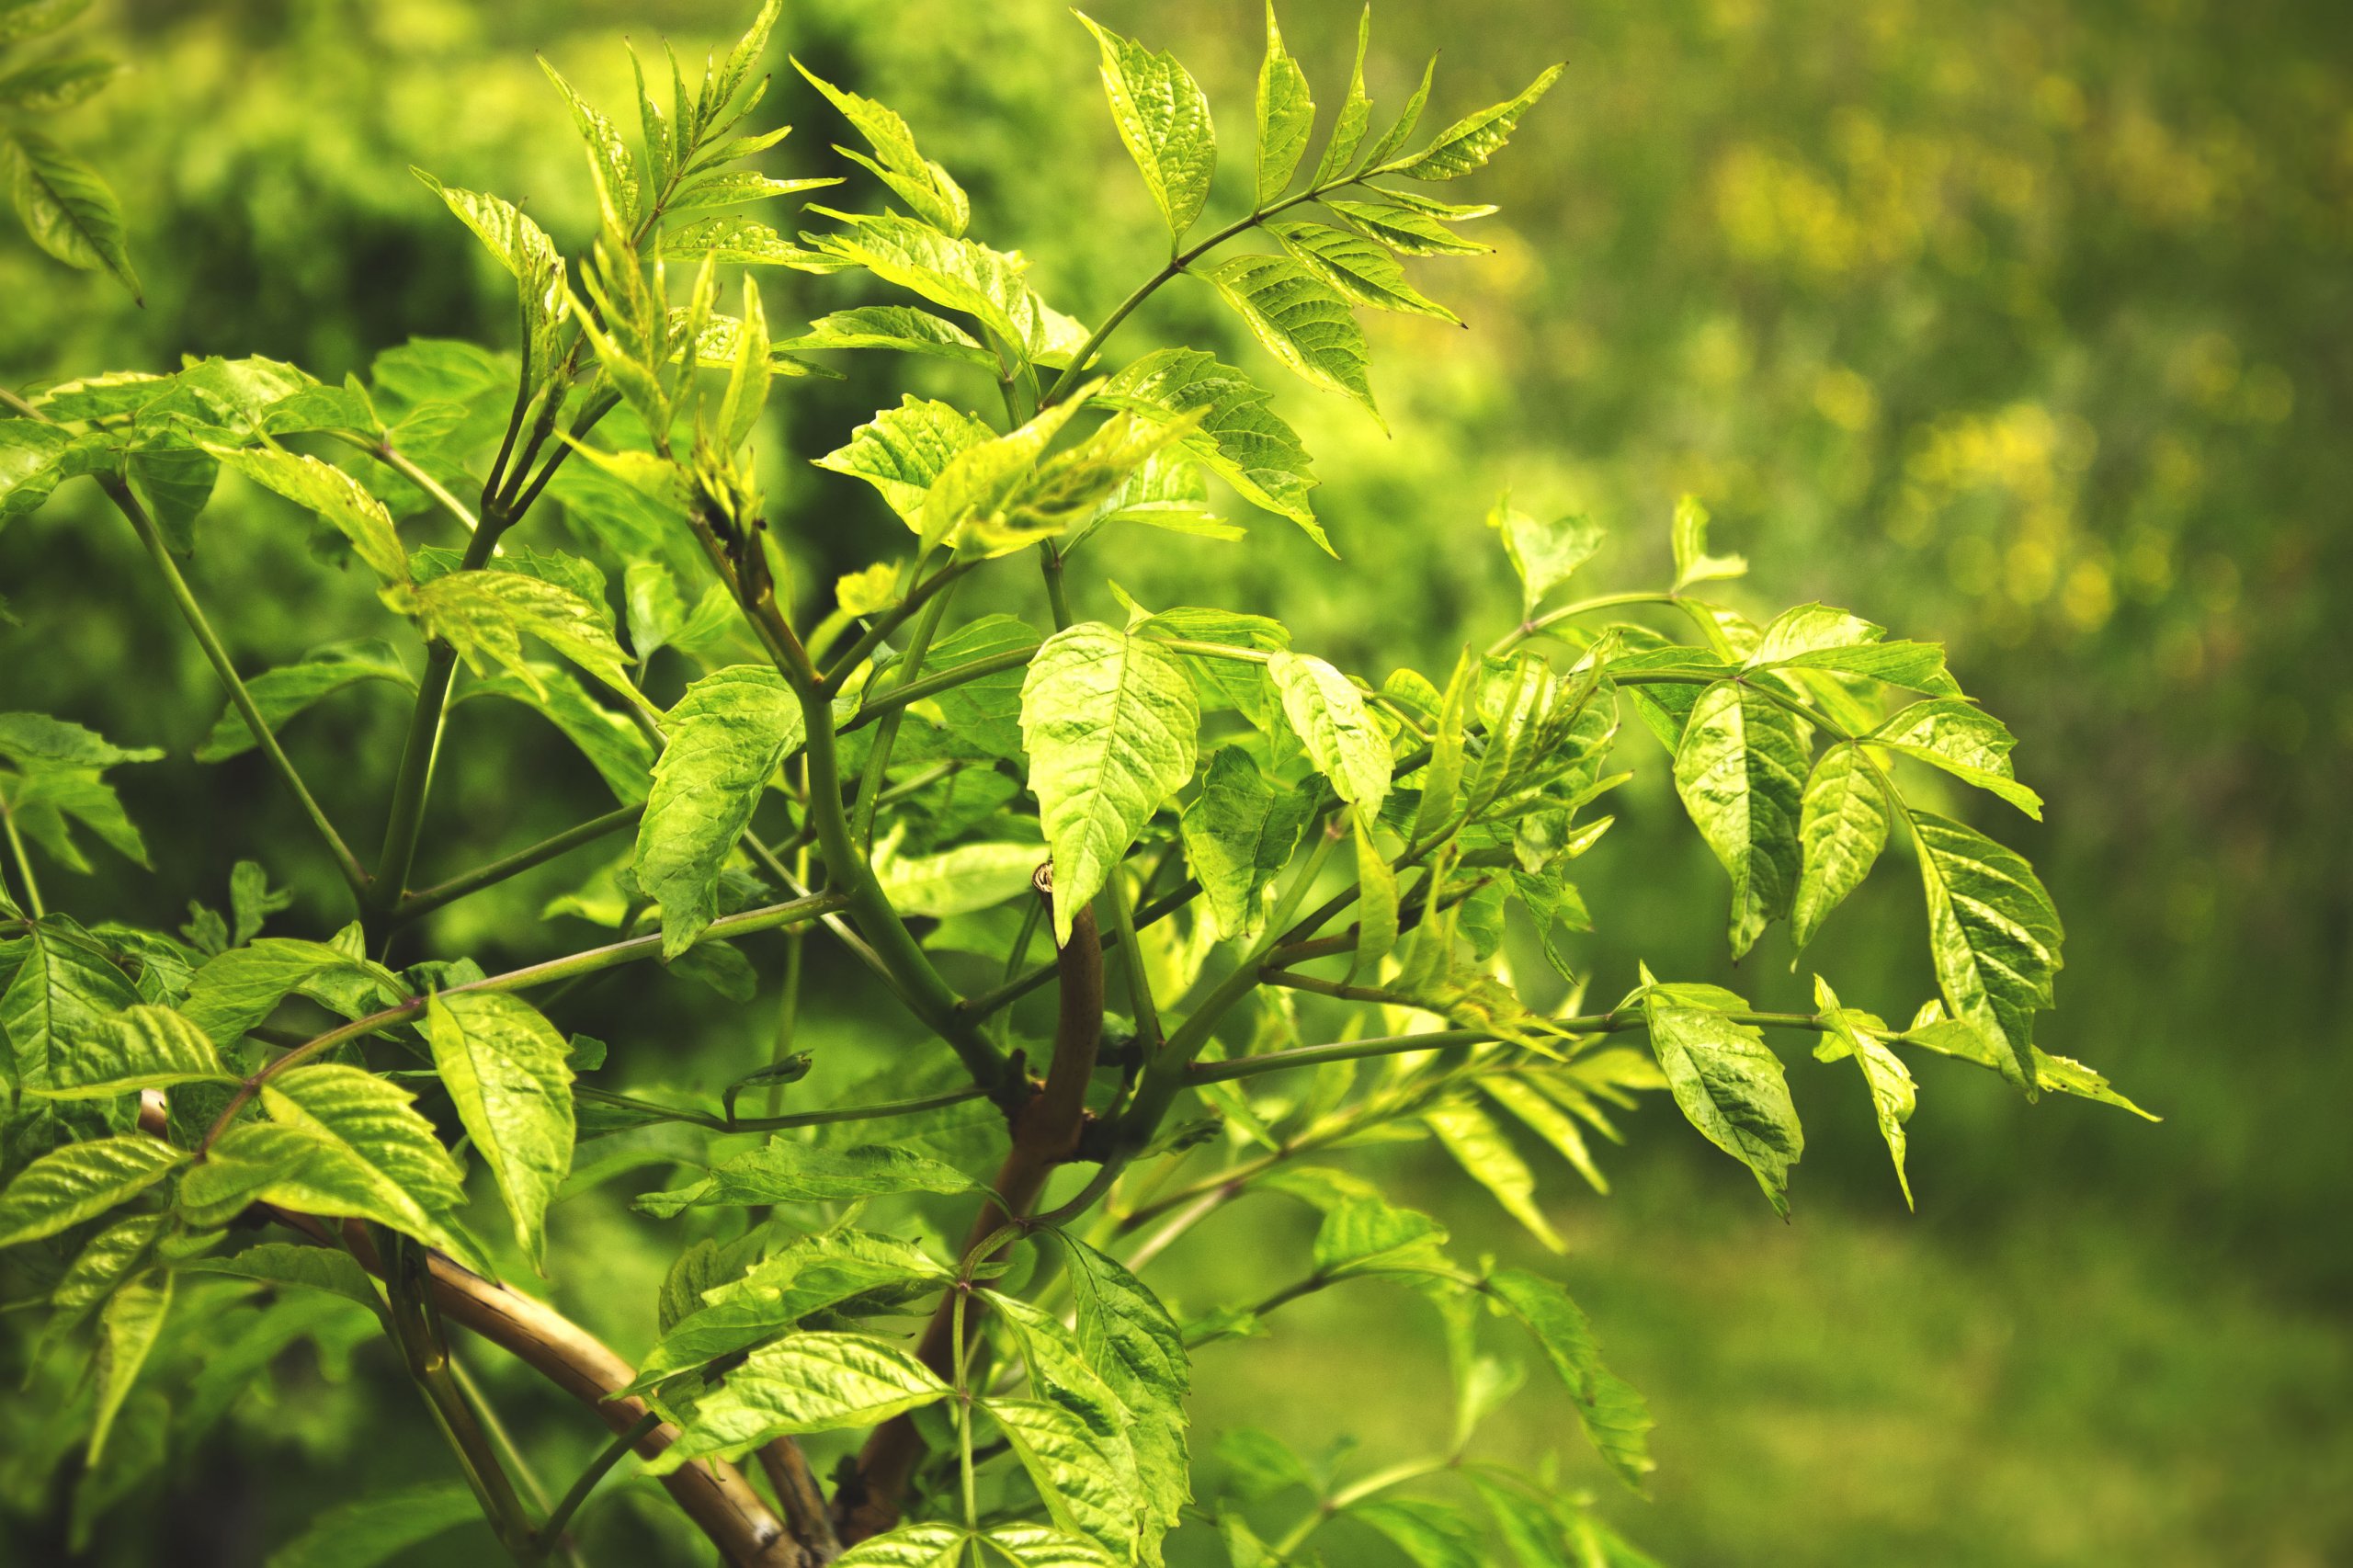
(785, 1171)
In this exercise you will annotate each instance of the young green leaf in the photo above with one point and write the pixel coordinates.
(81, 1181)
(1993, 933)
(785, 1171)
(1286, 114)
(728, 733)
(1842, 827)
(957, 275)
(1689, 535)
(1545, 1118)
(66, 988)
(1481, 1148)
(1433, 1535)
(524, 249)
(1356, 113)
(1964, 740)
(1470, 142)
(373, 1529)
(1730, 1086)
(376, 1123)
(901, 451)
(618, 749)
(1109, 722)
(1129, 1337)
(1545, 555)
(959, 881)
(810, 1382)
(1376, 901)
(611, 163)
(325, 1269)
(1330, 717)
(1361, 271)
(485, 616)
(1615, 1416)
(1164, 119)
(748, 385)
(334, 495)
(1890, 1081)
(1301, 319)
(1403, 230)
(66, 208)
(1238, 832)
(1377, 156)
(1077, 1471)
(283, 692)
(901, 328)
(141, 1048)
(1241, 439)
(985, 711)
(127, 1328)
(510, 1074)
(923, 185)
(238, 989)
(1741, 770)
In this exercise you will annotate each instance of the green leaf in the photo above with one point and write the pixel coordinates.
(29, 469)
(982, 486)
(283, 692)
(1362, 1232)
(66, 988)
(1432, 1534)
(1361, 270)
(524, 249)
(985, 711)
(238, 989)
(1037, 1546)
(1109, 722)
(1331, 718)
(1003, 495)
(81, 1181)
(1730, 1086)
(1548, 1121)
(1741, 771)
(142, 1047)
(1816, 637)
(1301, 319)
(322, 1269)
(1545, 555)
(485, 615)
(901, 451)
(510, 1074)
(1376, 900)
(808, 1276)
(66, 208)
(1403, 230)
(173, 478)
(1377, 156)
(611, 163)
(742, 241)
(374, 1530)
(1689, 535)
(1128, 1335)
(333, 494)
(1890, 1081)
(55, 85)
(811, 1382)
(748, 385)
(2065, 1076)
(901, 328)
(923, 185)
(1470, 142)
(616, 748)
(1615, 1416)
(377, 1121)
(728, 735)
(1241, 439)
(1356, 112)
(1993, 933)
(1480, 1147)
(1286, 115)
(1076, 1469)
(1164, 119)
(957, 275)
(1238, 832)
(1842, 827)
(911, 1546)
(962, 881)
(127, 1328)
(1963, 740)
(784, 1172)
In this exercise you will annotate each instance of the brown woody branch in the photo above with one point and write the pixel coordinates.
(1046, 1131)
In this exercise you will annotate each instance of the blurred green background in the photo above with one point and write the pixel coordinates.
(2026, 324)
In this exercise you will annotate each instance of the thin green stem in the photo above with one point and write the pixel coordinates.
(400, 463)
(932, 685)
(24, 863)
(1140, 1001)
(1339, 1051)
(878, 762)
(611, 1454)
(417, 905)
(1049, 561)
(892, 618)
(1013, 990)
(354, 874)
(963, 1406)
(1539, 625)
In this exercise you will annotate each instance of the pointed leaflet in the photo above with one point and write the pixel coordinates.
(1361, 271)
(65, 987)
(508, 1072)
(1545, 555)
(66, 208)
(1816, 637)
(618, 749)
(1238, 832)
(376, 1124)
(80, 1181)
(1741, 771)
(923, 185)
(1688, 536)
(1076, 1469)
(1480, 1147)
(1993, 933)
(127, 1331)
(1377, 155)
(524, 249)
(901, 451)
(1615, 1416)
(1129, 1338)
(728, 733)
(1241, 439)
(1286, 114)
(1730, 1086)
(957, 275)
(1301, 319)
(141, 1048)
(901, 328)
(1110, 722)
(333, 494)
(1330, 717)
(1356, 112)
(1470, 142)
(1165, 119)
(785, 1171)
(1433, 1535)
(485, 615)
(1890, 1081)
(1403, 230)
(283, 692)
(747, 386)
(238, 989)
(373, 1529)
(610, 161)
(1964, 740)
(1841, 829)
(806, 1277)
(324, 1269)
(986, 710)
(810, 1382)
